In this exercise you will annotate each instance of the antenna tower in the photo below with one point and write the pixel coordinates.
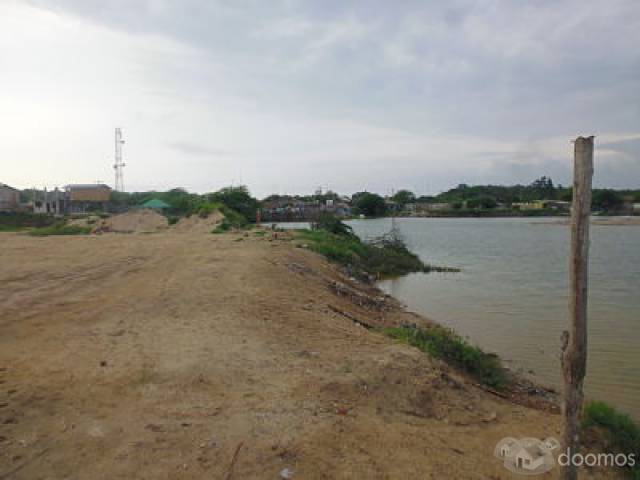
(119, 164)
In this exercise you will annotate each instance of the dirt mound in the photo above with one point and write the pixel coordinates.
(89, 221)
(135, 221)
(195, 223)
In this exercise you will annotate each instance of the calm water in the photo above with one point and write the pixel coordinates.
(511, 296)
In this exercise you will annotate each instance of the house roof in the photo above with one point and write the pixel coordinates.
(4, 185)
(155, 203)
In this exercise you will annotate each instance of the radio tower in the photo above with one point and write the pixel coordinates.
(119, 164)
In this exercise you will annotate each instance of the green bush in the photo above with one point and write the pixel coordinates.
(222, 227)
(623, 435)
(205, 209)
(332, 224)
(235, 219)
(60, 229)
(447, 345)
(384, 256)
(237, 199)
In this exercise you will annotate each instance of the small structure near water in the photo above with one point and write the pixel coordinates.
(156, 204)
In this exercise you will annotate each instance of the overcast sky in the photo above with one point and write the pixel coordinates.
(285, 96)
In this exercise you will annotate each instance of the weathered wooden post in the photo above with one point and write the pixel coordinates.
(574, 344)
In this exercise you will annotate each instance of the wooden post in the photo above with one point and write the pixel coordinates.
(574, 341)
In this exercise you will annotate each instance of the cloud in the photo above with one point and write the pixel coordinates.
(629, 147)
(311, 92)
(198, 149)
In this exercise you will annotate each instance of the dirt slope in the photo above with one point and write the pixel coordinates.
(160, 356)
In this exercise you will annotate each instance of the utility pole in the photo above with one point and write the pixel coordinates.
(119, 164)
(574, 341)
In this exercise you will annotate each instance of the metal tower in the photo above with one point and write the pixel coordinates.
(119, 164)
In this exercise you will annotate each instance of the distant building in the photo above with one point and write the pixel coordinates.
(636, 208)
(50, 203)
(9, 198)
(543, 205)
(535, 205)
(82, 198)
(432, 207)
(75, 198)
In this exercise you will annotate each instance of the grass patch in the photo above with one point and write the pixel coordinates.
(60, 229)
(622, 433)
(14, 221)
(445, 344)
(207, 208)
(11, 228)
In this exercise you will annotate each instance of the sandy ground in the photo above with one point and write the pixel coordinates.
(199, 356)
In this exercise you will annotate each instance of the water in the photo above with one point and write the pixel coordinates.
(511, 296)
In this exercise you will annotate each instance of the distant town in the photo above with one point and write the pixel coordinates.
(540, 198)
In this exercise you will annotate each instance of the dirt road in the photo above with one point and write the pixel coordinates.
(199, 356)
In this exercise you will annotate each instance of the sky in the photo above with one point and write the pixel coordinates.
(286, 96)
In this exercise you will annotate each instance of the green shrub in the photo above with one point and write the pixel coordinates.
(205, 209)
(60, 229)
(385, 256)
(447, 345)
(332, 224)
(173, 219)
(222, 227)
(623, 435)
(235, 219)
(237, 199)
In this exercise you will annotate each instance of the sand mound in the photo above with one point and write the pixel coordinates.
(90, 221)
(135, 221)
(195, 223)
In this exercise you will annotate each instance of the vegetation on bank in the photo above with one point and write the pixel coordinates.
(445, 344)
(621, 433)
(38, 225)
(60, 229)
(14, 222)
(184, 203)
(382, 257)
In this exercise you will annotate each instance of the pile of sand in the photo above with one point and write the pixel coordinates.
(89, 221)
(195, 223)
(135, 221)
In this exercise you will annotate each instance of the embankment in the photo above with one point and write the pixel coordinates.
(225, 356)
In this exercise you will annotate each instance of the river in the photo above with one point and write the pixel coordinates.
(511, 295)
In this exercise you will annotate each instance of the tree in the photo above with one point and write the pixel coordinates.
(370, 204)
(483, 201)
(543, 188)
(606, 200)
(402, 197)
(238, 199)
(329, 222)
